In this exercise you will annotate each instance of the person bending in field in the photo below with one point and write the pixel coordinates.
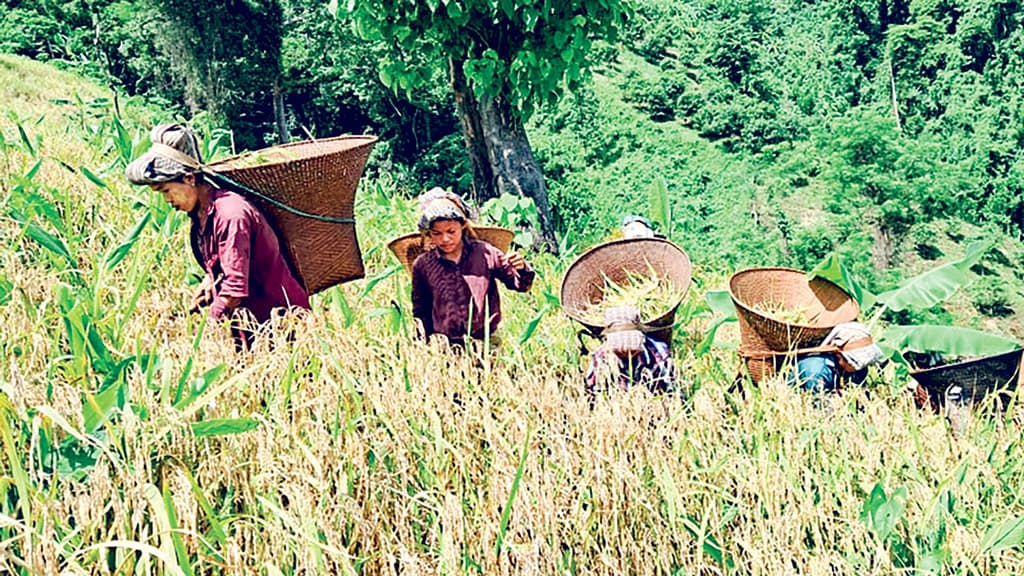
(629, 357)
(247, 277)
(454, 288)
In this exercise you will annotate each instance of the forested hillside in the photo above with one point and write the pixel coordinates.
(887, 131)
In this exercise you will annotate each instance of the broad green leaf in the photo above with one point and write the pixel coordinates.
(117, 254)
(948, 340)
(709, 338)
(97, 407)
(936, 285)
(833, 270)
(51, 243)
(659, 204)
(6, 287)
(200, 385)
(165, 529)
(926, 290)
(974, 253)
(223, 426)
(33, 170)
(532, 326)
(24, 139)
(1003, 536)
(720, 301)
(881, 513)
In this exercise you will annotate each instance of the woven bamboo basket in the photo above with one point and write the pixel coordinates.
(409, 247)
(768, 342)
(977, 377)
(317, 177)
(584, 282)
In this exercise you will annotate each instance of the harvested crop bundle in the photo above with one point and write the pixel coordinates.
(778, 311)
(651, 294)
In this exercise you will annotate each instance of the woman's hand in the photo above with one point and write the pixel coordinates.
(203, 296)
(515, 259)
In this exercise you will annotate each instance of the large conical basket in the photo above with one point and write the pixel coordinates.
(316, 177)
(584, 282)
(409, 247)
(977, 377)
(764, 340)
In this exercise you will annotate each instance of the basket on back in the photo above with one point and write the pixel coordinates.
(317, 177)
(586, 280)
(409, 247)
(976, 378)
(766, 338)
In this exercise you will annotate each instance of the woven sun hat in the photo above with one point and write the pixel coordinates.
(823, 306)
(407, 248)
(307, 191)
(585, 281)
(621, 334)
(976, 377)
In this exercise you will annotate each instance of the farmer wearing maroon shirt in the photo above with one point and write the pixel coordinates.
(247, 276)
(454, 289)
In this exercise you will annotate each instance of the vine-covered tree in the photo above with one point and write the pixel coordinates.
(504, 58)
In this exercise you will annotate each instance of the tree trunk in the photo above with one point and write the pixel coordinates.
(279, 119)
(500, 156)
(469, 117)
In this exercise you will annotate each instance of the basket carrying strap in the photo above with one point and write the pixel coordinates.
(190, 162)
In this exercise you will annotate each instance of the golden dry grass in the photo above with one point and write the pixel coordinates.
(374, 453)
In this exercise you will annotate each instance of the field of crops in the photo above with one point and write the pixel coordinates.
(135, 441)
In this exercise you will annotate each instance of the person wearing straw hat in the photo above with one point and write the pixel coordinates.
(628, 356)
(454, 288)
(247, 275)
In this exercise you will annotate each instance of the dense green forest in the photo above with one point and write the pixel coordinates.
(889, 131)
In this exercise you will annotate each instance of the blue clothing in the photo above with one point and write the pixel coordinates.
(819, 373)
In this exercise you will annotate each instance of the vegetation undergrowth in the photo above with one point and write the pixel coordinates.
(135, 441)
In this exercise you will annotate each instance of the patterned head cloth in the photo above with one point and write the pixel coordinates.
(621, 335)
(174, 153)
(437, 204)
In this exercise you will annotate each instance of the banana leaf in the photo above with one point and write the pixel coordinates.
(947, 340)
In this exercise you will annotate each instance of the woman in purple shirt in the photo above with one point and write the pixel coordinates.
(247, 276)
(454, 292)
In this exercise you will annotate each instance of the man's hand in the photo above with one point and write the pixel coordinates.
(516, 260)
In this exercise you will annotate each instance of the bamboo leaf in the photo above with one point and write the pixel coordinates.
(223, 427)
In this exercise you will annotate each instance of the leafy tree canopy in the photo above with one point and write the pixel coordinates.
(523, 50)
